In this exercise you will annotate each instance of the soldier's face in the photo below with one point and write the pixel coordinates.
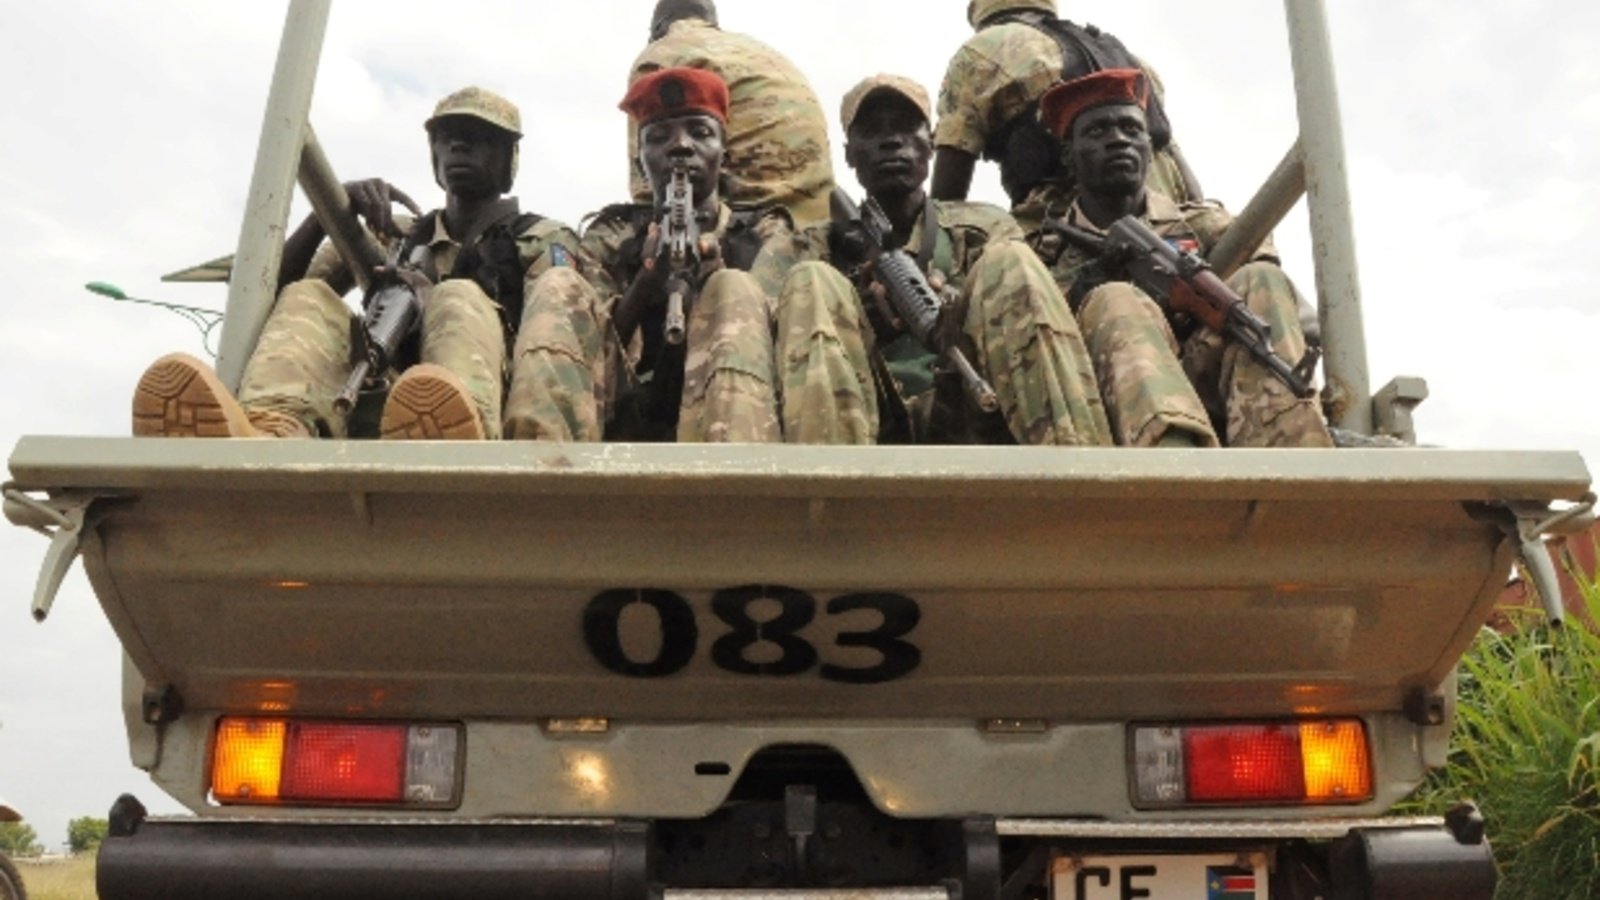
(1109, 149)
(470, 156)
(693, 141)
(889, 146)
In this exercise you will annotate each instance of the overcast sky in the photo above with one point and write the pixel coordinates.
(129, 131)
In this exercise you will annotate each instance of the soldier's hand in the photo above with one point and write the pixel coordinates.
(656, 266)
(373, 199)
(411, 276)
(710, 257)
(886, 324)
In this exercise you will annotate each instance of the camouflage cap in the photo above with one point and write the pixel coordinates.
(980, 10)
(897, 84)
(479, 104)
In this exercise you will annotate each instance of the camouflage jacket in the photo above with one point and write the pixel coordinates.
(778, 150)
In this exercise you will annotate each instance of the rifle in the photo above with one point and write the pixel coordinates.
(1181, 281)
(680, 232)
(393, 311)
(914, 300)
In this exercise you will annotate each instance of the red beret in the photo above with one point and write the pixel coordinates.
(1064, 102)
(677, 92)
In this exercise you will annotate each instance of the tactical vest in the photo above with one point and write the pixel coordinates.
(1028, 154)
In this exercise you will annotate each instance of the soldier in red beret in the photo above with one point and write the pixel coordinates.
(1166, 379)
(596, 356)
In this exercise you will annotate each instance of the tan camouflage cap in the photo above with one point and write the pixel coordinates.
(479, 104)
(978, 10)
(905, 87)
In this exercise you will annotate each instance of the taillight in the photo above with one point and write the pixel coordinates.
(1266, 764)
(291, 762)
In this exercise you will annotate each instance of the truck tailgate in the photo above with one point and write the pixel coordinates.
(676, 582)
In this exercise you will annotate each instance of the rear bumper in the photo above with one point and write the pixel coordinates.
(180, 860)
(485, 860)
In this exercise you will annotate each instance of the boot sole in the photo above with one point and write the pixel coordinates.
(430, 404)
(180, 397)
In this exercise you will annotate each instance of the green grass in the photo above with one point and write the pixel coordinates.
(1527, 749)
(71, 879)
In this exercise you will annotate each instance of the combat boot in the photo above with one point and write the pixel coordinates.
(429, 403)
(179, 396)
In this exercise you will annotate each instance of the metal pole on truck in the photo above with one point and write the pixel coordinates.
(253, 288)
(1349, 392)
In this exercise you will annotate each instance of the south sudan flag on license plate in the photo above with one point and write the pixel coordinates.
(1230, 883)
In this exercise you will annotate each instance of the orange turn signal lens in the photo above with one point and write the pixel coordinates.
(1337, 766)
(247, 766)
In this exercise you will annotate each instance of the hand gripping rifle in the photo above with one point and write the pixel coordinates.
(393, 311)
(680, 233)
(1181, 281)
(914, 300)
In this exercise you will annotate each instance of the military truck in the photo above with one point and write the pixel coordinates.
(11, 887)
(390, 669)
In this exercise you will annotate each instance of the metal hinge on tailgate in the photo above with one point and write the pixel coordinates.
(1531, 524)
(58, 518)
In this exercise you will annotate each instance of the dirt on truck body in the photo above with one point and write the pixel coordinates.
(808, 673)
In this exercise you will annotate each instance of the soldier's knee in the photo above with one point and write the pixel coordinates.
(1115, 301)
(725, 282)
(558, 289)
(814, 285)
(310, 296)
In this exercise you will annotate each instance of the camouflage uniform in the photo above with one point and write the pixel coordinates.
(777, 136)
(572, 378)
(1020, 336)
(1157, 374)
(1000, 73)
(303, 358)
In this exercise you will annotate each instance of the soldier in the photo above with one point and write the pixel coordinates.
(1157, 391)
(593, 359)
(1007, 314)
(777, 134)
(481, 244)
(988, 104)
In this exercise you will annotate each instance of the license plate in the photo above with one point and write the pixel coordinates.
(1222, 876)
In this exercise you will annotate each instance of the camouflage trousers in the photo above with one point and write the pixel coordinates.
(569, 368)
(1031, 350)
(828, 393)
(1151, 385)
(303, 358)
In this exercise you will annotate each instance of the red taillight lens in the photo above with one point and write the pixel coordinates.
(1244, 763)
(345, 763)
